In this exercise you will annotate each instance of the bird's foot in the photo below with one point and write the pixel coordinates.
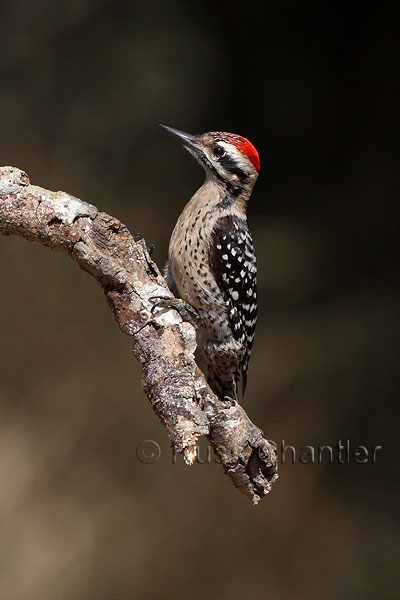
(229, 401)
(185, 310)
(138, 237)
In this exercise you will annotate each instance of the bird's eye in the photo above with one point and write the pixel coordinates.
(218, 151)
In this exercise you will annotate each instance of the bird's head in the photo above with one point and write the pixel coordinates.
(230, 158)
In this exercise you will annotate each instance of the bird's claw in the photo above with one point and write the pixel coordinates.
(229, 401)
(185, 310)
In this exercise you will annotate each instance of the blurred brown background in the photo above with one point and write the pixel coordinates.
(84, 85)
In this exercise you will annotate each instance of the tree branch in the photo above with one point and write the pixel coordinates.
(175, 386)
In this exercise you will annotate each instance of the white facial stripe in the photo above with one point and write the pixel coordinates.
(231, 151)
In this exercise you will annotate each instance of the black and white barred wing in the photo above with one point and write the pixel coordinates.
(233, 262)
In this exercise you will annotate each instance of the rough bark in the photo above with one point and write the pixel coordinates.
(162, 342)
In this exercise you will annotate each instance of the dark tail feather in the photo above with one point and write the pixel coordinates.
(244, 379)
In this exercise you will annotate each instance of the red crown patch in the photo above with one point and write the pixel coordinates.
(243, 145)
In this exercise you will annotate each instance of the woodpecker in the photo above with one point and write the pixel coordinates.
(212, 264)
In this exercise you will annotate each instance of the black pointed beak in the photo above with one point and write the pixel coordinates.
(188, 140)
